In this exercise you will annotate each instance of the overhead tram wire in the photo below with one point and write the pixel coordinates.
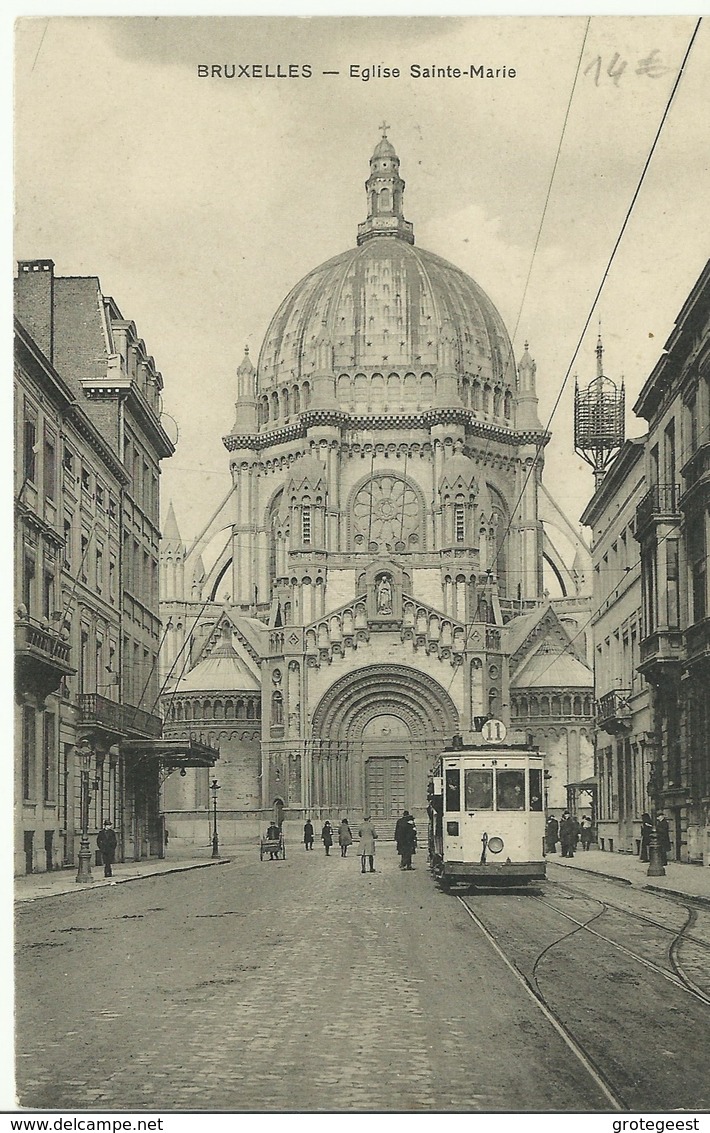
(597, 295)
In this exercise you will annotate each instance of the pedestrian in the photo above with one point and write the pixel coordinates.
(107, 842)
(569, 828)
(585, 832)
(308, 834)
(405, 835)
(646, 831)
(326, 836)
(345, 837)
(664, 837)
(367, 835)
(274, 835)
(552, 834)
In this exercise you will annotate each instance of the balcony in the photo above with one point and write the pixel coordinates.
(114, 721)
(614, 712)
(696, 471)
(660, 654)
(42, 658)
(697, 643)
(661, 504)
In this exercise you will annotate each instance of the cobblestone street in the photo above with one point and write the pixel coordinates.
(278, 985)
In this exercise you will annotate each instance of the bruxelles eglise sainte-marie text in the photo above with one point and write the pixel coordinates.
(354, 71)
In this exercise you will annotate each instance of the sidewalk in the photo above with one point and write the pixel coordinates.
(34, 886)
(681, 880)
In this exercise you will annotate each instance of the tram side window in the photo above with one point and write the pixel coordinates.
(510, 788)
(535, 788)
(478, 789)
(453, 789)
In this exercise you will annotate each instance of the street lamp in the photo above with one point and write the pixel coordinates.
(546, 777)
(214, 788)
(83, 876)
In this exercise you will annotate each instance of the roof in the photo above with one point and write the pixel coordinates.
(553, 670)
(520, 628)
(222, 671)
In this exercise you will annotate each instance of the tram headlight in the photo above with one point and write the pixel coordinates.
(495, 844)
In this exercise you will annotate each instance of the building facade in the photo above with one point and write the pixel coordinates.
(650, 523)
(89, 442)
(386, 531)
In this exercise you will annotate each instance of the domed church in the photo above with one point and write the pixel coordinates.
(382, 587)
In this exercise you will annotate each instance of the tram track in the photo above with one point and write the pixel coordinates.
(527, 974)
(577, 1049)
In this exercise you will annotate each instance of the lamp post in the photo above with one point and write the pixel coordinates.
(546, 776)
(83, 876)
(214, 788)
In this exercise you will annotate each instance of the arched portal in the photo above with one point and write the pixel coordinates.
(376, 734)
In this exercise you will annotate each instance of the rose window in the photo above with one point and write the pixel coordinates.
(386, 516)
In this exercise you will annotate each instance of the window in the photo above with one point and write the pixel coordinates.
(510, 790)
(84, 662)
(68, 460)
(698, 565)
(452, 784)
(84, 549)
(648, 588)
(306, 525)
(67, 541)
(478, 789)
(99, 570)
(99, 495)
(112, 578)
(29, 755)
(459, 523)
(85, 479)
(672, 594)
(535, 781)
(111, 507)
(277, 708)
(48, 594)
(29, 445)
(50, 466)
(49, 768)
(669, 452)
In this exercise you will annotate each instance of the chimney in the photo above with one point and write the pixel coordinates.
(34, 302)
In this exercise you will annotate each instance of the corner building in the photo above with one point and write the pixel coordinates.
(386, 531)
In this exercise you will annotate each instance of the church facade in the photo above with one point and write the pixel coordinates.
(382, 585)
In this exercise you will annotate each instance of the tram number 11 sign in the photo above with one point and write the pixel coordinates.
(494, 731)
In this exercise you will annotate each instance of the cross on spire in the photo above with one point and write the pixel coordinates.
(384, 127)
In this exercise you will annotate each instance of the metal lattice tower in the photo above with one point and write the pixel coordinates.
(599, 429)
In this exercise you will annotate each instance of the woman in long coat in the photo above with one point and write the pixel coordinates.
(367, 835)
(326, 836)
(345, 837)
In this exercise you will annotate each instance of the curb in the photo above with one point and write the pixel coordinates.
(122, 881)
(598, 873)
(705, 901)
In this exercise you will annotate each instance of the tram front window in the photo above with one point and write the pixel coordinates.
(478, 789)
(535, 788)
(510, 787)
(453, 789)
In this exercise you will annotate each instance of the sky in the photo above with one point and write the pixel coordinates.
(199, 202)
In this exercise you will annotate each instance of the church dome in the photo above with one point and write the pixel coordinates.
(386, 308)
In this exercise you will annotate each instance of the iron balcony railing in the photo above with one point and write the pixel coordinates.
(122, 719)
(662, 501)
(613, 709)
(32, 635)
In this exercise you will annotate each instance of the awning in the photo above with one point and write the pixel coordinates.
(589, 784)
(173, 753)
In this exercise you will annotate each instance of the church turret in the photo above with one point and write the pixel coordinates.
(526, 415)
(247, 408)
(172, 559)
(385, 190)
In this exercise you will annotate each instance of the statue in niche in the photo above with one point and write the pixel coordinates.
(384, 595)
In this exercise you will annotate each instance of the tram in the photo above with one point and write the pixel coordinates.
(486, 820)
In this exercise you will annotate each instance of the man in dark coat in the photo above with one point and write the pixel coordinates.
(569, 833)
(664, 837)
(405, 835)
(107, 842)
(308, 834)
(552, 834)
(646, 831)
